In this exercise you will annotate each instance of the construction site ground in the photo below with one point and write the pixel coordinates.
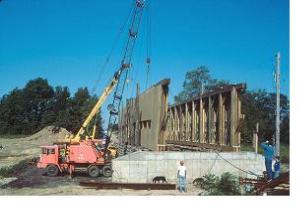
(26, 179)
(29, 180)
(32, 181)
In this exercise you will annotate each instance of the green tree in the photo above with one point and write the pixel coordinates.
(78, 108)
(11, 110)
(196, 82)
(37, 96)
(27, 110)
(58, 103)
(260, 106)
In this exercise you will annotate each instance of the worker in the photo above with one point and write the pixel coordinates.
(276, 167)
(268, 149)
(63, 154)
(181, 175)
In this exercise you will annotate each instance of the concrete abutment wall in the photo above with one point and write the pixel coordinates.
(142, 167)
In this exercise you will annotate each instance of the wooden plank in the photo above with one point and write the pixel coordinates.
(201, 123)
(224, 89)
(200, 145)
(193, 122)
(221, 120)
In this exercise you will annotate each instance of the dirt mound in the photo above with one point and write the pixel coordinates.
(18, 149)
(49, 134)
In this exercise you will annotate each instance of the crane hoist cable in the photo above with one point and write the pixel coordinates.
(143, 56)
(117, 82)
(114, 44)
(135, 70)
(149, 44)
(236, 167)
(108, 58)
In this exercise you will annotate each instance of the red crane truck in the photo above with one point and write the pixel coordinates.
(81, 152)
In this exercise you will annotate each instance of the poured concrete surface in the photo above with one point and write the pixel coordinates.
(142, 166)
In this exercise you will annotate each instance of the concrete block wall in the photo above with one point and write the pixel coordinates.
(142, 167)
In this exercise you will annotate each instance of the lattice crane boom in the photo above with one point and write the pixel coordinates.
(119, 79)
(126, 61)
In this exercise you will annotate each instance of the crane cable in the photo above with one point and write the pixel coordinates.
(247, 172)
(127, 56)
(115, 41)
(135, 73)
(144, 48)
(108, 58)
(149, 44)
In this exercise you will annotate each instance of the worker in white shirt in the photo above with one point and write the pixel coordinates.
(181, 175)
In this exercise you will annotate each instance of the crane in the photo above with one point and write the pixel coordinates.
(79, 152)
(133, 33)
(119, 79)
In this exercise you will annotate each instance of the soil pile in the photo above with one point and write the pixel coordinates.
(15, 150)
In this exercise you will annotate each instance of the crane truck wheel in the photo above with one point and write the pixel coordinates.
(52, 170)
(93, 171)
(107, 171)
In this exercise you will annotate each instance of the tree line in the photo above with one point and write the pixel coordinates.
(258, 106)
(38, 104)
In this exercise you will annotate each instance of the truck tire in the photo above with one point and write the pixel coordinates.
(52, 170)
(93, 171)
(107, 171)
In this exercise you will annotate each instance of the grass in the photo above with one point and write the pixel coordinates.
(284, 151)
(9, 170)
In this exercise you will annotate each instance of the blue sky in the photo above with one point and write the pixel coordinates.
(67, 41)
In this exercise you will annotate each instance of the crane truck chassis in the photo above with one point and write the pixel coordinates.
(85, 156)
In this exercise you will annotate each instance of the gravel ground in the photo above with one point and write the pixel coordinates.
(33, 181)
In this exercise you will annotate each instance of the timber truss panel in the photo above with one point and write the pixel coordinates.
(211, 119)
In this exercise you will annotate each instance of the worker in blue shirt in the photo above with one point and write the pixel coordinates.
(268, 149)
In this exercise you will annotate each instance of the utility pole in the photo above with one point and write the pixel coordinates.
(277, 122)
(202, 88)
(256, 138)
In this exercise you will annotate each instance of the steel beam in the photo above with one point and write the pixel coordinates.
(134, 186)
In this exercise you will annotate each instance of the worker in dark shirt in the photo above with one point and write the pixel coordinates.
(268, 149)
